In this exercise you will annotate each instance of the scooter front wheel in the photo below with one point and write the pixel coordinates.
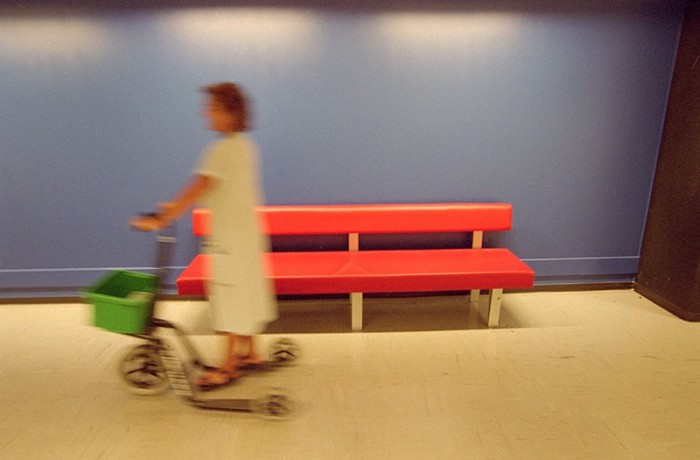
(284, 351)
(140, 370)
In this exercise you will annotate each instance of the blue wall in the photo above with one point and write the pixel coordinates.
(558, 111)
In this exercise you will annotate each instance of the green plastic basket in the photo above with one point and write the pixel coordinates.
(123, 301)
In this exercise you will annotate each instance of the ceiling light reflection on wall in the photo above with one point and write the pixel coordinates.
(271, 31)
(40, 40)
(441, 31)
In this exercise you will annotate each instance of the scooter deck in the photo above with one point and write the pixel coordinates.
(265, 366)
(271, 406)
(234, 405)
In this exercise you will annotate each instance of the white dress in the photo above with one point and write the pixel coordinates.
(240, 293)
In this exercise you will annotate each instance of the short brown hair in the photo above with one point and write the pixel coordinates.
(233, 99)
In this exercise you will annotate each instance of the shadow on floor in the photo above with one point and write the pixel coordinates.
(402, 314)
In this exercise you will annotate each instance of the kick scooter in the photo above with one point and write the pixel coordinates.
(125, 303)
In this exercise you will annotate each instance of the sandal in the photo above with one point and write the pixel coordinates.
(217, 378)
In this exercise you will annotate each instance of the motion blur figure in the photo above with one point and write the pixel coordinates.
(227, 182)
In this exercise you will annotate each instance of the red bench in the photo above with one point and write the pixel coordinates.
(355, 271)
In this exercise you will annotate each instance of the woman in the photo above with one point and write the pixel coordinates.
(227, 182)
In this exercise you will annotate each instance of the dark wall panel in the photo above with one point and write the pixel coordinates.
(669, 270)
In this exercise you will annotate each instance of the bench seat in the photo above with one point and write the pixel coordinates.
(341, 272)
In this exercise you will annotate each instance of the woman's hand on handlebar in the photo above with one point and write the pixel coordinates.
(152, 222)
(148, 223)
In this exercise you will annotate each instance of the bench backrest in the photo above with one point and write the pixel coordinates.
(375, 218)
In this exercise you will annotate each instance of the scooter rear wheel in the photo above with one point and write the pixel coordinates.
(274, 405)
(140, 370)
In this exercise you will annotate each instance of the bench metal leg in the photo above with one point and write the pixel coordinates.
(474, 295)
(356, 310)
(494, 313)
(477, 243)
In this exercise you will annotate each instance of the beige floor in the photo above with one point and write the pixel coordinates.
(594, 375)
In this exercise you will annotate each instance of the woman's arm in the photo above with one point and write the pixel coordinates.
(185, 198)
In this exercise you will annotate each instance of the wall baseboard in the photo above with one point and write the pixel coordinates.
(170, 295)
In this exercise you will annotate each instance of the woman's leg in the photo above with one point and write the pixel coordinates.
(248, 351)
(228, 370)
